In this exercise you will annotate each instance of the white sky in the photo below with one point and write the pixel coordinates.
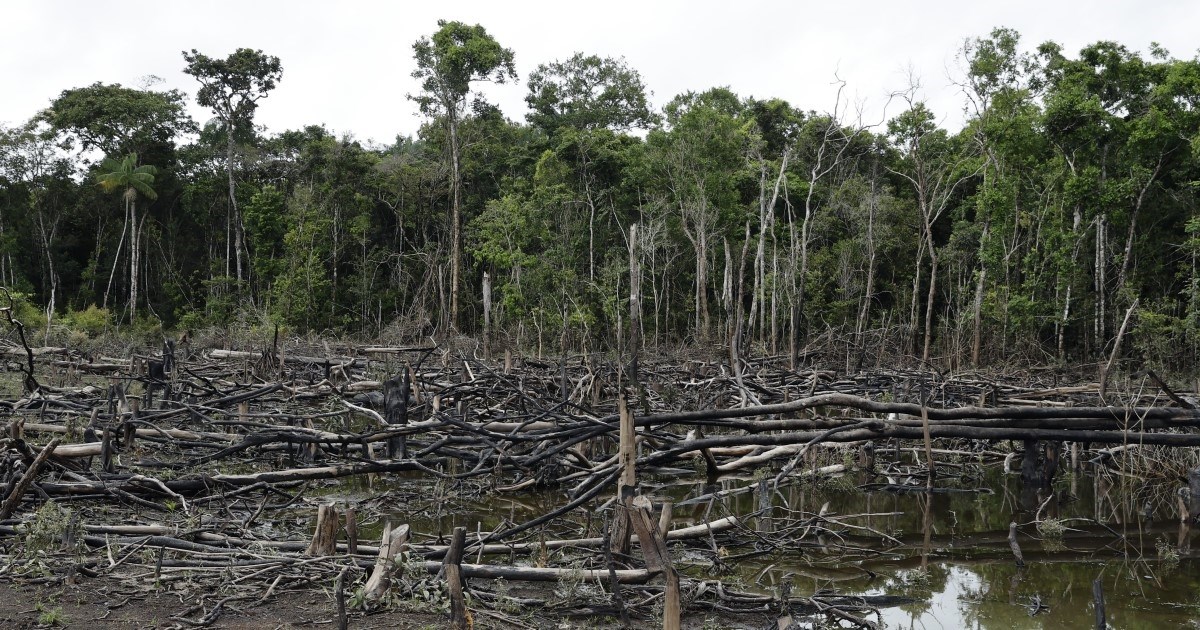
(347, 63)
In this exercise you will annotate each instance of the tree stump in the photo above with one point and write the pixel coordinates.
(454, 579)
(324, 540)
(387, 567)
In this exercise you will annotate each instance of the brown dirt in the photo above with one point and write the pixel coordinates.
(103, 605)
(92, 606)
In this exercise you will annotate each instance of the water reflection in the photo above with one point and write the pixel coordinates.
(949, 550)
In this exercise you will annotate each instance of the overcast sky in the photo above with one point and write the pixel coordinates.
(347, 64)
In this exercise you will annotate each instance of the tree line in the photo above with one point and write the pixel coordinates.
(1062, 211)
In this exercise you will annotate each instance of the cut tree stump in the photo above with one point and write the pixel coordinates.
(324, 540)
(454, 579)
(387, 565)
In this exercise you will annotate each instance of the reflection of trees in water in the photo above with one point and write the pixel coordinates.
(953, 555)
(1139, 593)
(921, 584)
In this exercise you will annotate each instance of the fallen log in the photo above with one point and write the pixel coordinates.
(290, 358)
(194, 486)
(882, 430)
(18, 492)
(911, 409)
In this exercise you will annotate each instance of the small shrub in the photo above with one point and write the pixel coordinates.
(1167, 552)
(46, 530)
(1051, 528)
(25, 312)
(93, 320)
(574, 589)
(50, 616)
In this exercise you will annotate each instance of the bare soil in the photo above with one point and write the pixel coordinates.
(92, 605)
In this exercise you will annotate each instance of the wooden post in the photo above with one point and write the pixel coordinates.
(1012, 544)
(351, 531)
(129, 430)
(395, 411)
(658, 557)
(925, 429)
(339, 595)
(618, 539)
(1030, 474)
(507, 361)
(1193, 494)
(453, 567)
(866, 456)
(106, 451)
(170, 366)
(564, 383)
(312, 450)
(324, 540)
(671, 605)
(1050, 463)
(764, 505)
(393, 544)
(1098, 603)
(627, 458)
(626, 483)
(665, 516)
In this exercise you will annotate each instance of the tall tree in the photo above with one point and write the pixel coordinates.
(447, 64)
(582, 104)
(232, 88)
(30, 160)
(588, 92)
(1004, 129)
(132, 180)
(117, 120)
(700, 158)
(935, 165)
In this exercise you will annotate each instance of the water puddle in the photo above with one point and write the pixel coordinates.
(948, 551)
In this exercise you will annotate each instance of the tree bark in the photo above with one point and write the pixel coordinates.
(635, 303)
(455, 217)
(134, 259)
(234, 214)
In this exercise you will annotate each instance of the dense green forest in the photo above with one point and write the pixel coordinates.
(1063, 209)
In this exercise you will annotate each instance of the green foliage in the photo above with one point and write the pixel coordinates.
(587, 92)
(127, 176)
(26, 312)
(301, 294)
(1163, 341)
(49, 523)
(119, 120)
(1069, 191)
(232, 87)
(266, 227)
(50, 616)
(92, 320)
(455, 57)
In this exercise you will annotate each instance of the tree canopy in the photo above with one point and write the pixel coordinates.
(1066, 200)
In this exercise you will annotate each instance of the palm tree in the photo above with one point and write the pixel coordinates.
(126, 175)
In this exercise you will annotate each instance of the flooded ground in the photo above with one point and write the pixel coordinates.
(950, 551)
(947, 551)
(817, 539)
